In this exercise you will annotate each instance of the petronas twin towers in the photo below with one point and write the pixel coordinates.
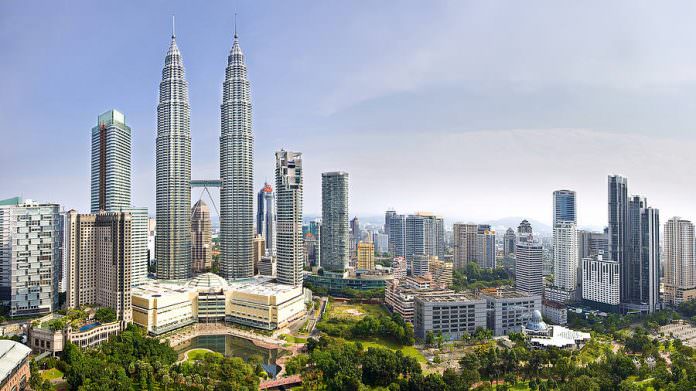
(173, 240)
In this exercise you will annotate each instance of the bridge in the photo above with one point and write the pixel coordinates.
(205, 183)
(289, 381)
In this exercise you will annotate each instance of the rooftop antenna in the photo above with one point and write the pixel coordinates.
(235, 25)
(173, 27)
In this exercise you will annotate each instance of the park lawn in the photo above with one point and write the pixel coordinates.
(350, 311)
(51, 374)
(519, 386)
(408, 351)
(293, 339)
(198, 354)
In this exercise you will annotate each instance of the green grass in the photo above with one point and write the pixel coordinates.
(408, 351)
(51, 374)
(198, 354)
(350, 311)
(293, 339)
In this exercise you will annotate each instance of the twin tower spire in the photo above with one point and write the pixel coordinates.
(173, 173)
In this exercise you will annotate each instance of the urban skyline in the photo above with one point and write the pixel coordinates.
(272, 119)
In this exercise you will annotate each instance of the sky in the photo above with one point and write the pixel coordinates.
(474, 110)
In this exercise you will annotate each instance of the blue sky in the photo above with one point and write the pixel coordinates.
(474, 110)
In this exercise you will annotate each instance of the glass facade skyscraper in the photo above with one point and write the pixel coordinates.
(173, 174)
(289, 248)
(236, 170)
(335, 232)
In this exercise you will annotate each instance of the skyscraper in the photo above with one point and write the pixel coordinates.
(173, 240)
(680, 261)
(464, 244)
(528, 264)
(236, 170)
(564, 206)
(485, 246)
(31, 238)
(354, 236)
(201, 237)
(618, 219)
(111, 185)
(111, 163)
(509, 240)
(565, 256)
(425, 235)
(334, 219)
(265, 217)
(289, 248)
(650, 259)
(395, 227)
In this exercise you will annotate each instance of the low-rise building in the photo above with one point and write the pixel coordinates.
(555, 312)
(258, 302)
(14, 366)
(399, 295)
(450, 314)
(337, 283)
(509, 309)
(442, 272)
(543, 336)
(42, 339)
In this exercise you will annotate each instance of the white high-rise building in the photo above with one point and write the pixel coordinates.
(173, 174)
(335, 234)
(31, 255)
(679, 261)
(529, 264)
(236, 170)
(601, 282)
(289, 247)
(565, 256)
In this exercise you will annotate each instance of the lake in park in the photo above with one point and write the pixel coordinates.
(232, 346)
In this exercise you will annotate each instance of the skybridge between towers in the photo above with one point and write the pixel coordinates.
(206, 184)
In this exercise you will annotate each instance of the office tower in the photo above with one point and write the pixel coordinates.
(289, 245)
(111, 163)
(565, 256)
(139, 259)
(354, 237)
(395, 227)
(509, 240)
(366, 256)
(600, 283)
(99, 261)
(236, 170)
(111, 184)
(311, 250)
(524, 228)
(173, 203)
(679, 261)
(425, 235)
(259, 246)
(592, 243)
(201, 237)
(381, 242)
(485, 246)
(564, 206)
(650, 259)
(31, 240)
(334, 221)
(618, 222)
(528, 265)
(265, 217)
(464, 244)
